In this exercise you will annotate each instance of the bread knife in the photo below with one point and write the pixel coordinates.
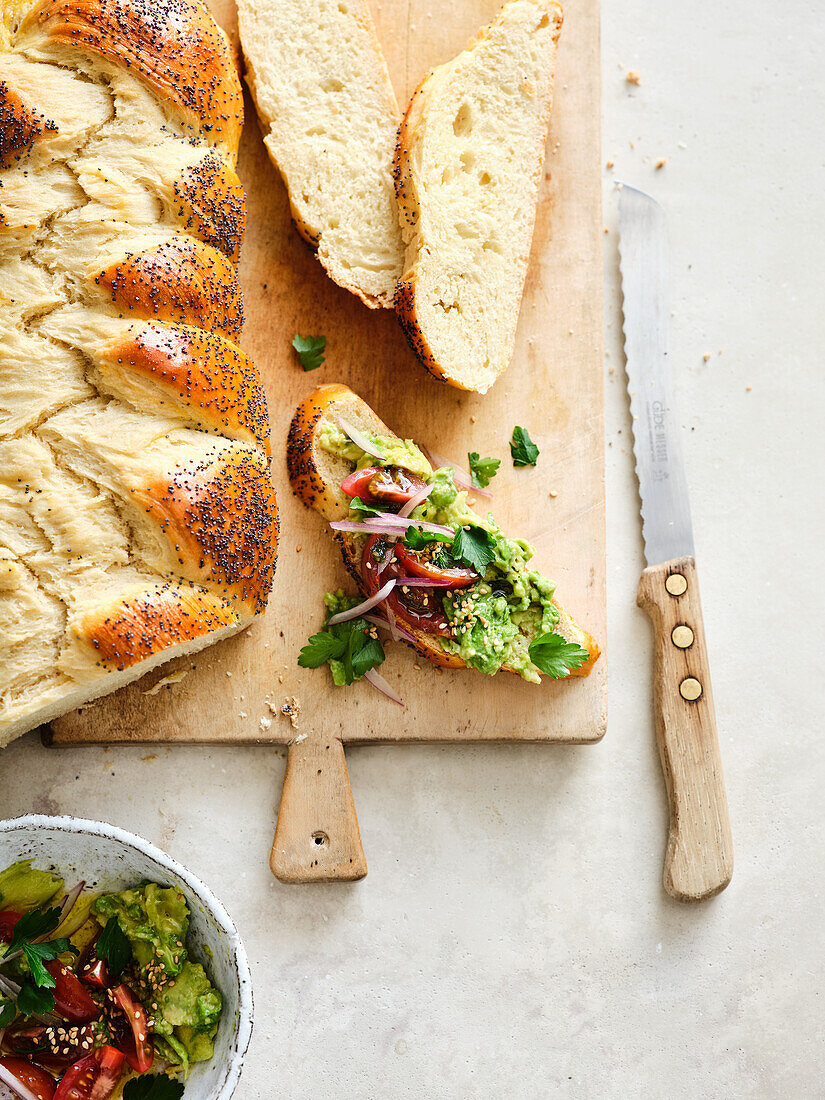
(699, 854)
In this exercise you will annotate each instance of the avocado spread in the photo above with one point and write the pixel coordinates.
(184, 1006)
(23, 887)
(394, 452)
(493, 622)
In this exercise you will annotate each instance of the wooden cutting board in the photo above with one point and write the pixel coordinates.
(235, 691)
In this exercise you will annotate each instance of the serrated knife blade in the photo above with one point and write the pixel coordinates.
(666, 522)
(699, 856)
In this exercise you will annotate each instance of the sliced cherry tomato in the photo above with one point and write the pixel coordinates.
(70, 998)
(95, 974)
(138, 1048)
(20, 1074)
(393, 485)
(8, 919)
(420, 608)
(94, 1077)
(40, 1042)
(357, 483)
(382, 485)
(111, 1067)
(417, 566)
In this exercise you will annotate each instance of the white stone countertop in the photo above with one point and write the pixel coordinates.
(512, 938)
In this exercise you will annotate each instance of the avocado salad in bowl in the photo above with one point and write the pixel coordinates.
(129, 981)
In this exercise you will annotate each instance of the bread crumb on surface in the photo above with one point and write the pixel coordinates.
(633, 77)
(290, 708)
(748, 389)
(167, 681)
(661, 163)
(554, 492)
(609, 164)
(706, 357)
(146, 759)
(265, 724)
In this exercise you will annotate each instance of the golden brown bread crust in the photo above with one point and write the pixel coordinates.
(221, 516)
(211, 204)
(130, 629)
(309, 484)
(173, 45)
(208, 374)
(20, 126)
(408, 213)
(181, 280)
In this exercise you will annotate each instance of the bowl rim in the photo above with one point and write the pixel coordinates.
(69, 824)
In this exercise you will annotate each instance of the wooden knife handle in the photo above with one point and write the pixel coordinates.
(699, 857)
(317, 838)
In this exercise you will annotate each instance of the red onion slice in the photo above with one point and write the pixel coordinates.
(359, 439)
(415, 500)
(368, 527)
(16, 1085)
(367, 605)
(8, 987)
(66, 908)
(388, 523)
(460, 476)
(403, 635)
(424, 582)
(381, 685)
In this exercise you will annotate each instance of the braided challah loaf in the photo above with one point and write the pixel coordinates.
(137, 515)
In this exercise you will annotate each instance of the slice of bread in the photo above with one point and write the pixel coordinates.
(316, 475)
(468, 167)
(330, 121)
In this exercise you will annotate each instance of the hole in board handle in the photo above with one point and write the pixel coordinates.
(320, 838)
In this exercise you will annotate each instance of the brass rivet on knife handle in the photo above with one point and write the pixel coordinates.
(682, 636)
(699, 856)
(676, 584)
(317, 838)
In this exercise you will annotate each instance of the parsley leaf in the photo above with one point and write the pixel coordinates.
(30, 999)
(475, 547)
(555, 656)
(38, 953)
(321, 648)
(483, 470)
(364, 510)
(39, 922)
(158, 1086)
(310, 350)
(347, 647)
(7, 1011)
(522, 448)
(368, 656)
(114, 947)
(417, 539)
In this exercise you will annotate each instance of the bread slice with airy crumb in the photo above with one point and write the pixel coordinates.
(468, 168)
(330, 122)
(316, 475)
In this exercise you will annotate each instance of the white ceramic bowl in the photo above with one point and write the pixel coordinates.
(108, 858)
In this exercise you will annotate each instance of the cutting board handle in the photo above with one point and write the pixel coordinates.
(699, 857)
(317, 838)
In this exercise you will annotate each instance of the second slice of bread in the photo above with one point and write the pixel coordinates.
(468, 167)
(330, 119)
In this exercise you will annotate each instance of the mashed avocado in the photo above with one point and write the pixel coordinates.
(23, 887)
(495, 621)
(395, 452)
(184, 1005)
